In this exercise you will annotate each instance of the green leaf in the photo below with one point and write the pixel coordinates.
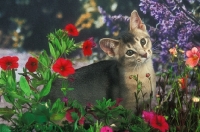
(28, 118)
(15, 95)
(6, 111)
(41, 118)
(44, 59)
(2, 82)
(25, 86)
(4, 128)
(11, 83)
(57, 116)
(45, 91)
(57, 106)
(65, 90)
(52, 51)
(64, 46)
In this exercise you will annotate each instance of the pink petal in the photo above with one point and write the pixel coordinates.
(194, 50)
(192, 62)
(189, 53)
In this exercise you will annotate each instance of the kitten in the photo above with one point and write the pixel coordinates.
(111, 78)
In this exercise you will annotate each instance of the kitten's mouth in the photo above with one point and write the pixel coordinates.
(139, 60)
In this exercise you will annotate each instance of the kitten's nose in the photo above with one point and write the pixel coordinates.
(144, 55)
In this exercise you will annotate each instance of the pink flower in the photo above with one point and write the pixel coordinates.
(147, 116)
(193, 57)
(106, 129)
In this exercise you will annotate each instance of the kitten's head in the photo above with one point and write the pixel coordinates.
(133, 47)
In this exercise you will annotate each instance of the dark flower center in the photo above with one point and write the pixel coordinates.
(62, 68)
(71, 30)
(86, 47)
(33, 63)
(8, 63)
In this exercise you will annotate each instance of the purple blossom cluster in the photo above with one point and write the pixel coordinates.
(176, 25)
(113, 21)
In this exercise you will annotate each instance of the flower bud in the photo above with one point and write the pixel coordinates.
(148, 75)
(195, 99)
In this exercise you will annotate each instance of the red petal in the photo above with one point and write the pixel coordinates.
(71, 29)
(81, 121)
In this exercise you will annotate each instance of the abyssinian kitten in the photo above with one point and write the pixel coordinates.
(111, 78)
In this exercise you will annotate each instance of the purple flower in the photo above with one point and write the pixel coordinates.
(174, 27)
(65, 99)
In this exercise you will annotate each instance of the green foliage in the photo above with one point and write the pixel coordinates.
(25, 86)
(59, 44)
(4, 128)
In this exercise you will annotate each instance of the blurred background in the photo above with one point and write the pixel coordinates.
(25, 24)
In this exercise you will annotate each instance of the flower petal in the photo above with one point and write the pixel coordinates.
(192, 62)
(194, 50)
(189, 53)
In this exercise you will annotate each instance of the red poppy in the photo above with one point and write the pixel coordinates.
(32, 64)
(71, 120)
(159, 123)
(63, 67)
(71, 29)
(8, 62)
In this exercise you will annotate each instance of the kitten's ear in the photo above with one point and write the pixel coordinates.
(109, 46)
(136, 22)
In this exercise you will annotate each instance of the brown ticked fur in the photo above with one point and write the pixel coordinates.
(132, 56)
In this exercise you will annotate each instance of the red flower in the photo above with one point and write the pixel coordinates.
(159, 123)
(70, 119)
(106, 129)
(183, 82)
(8, 62)
(87, 48)
(63, 67)
(156, 121)
(32, 64)
(193, 57)
(71, 29)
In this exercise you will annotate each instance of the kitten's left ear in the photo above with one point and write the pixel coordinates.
(109, 46)
(136, 22)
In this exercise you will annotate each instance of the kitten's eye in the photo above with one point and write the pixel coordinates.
(130, 52)
(142, 41)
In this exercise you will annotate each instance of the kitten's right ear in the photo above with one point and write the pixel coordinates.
(109, 46)
(136, 22)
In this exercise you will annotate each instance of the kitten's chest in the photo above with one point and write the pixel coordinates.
(132, 77)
